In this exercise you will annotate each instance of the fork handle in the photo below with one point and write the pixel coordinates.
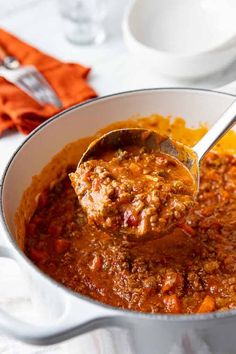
(8, 61)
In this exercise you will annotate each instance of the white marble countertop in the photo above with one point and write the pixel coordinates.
(113, 70)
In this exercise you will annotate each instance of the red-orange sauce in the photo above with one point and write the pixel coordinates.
(192, 269)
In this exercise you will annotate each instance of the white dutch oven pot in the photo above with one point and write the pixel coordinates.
(119, 331)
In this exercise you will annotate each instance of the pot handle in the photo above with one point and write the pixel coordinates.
(66, 326)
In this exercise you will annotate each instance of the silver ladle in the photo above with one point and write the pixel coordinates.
(190, 157)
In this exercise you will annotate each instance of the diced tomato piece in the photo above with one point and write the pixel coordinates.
(38, 255)
(207, 305)
(172, 304)
(133, 220)
(61, 245)
(187, 229)
(130, 218)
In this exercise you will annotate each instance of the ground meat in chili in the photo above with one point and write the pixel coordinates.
(192, 269)
(134, 190)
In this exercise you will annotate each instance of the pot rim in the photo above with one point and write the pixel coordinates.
(117, 311)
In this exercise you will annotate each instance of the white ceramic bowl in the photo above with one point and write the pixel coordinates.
(182, 38)
(118, 331)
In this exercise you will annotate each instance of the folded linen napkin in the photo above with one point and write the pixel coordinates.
(20, 111)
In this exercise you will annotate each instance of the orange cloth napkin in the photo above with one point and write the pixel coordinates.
(20, 111)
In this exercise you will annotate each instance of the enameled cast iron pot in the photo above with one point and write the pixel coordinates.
(118, 331)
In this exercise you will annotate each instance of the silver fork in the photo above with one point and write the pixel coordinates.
(28, 79)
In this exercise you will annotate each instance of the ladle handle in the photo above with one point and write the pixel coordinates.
(226, 121)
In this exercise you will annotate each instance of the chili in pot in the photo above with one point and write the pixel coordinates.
(190, 270)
